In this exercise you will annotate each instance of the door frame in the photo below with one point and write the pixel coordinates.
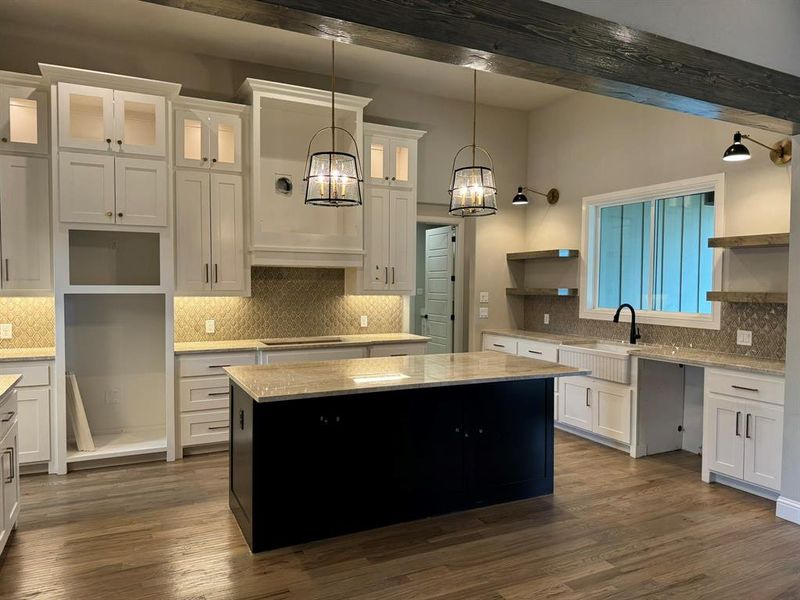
(458, 290)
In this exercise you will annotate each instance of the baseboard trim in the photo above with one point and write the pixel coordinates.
(599, 439)
(788, 509)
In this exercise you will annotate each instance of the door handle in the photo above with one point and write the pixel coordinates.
(392, 275)
(738, 417)
(534, 352)
(747, 426)
(217, 366)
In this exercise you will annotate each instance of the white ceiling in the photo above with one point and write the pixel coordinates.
(138, 22)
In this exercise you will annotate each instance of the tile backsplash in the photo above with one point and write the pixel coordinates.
(287, 302)
(33, 321)
(766, 321)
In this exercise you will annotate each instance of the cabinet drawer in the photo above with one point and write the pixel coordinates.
(8, 414)
(398, 349)
(206, 427)
(741, 385)
(33, 374)
(203, 393)
(499, 343)
(312, 355)
(538, 350)
(212, 364)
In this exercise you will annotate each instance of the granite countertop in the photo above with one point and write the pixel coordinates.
(705, 358)
(7, 382)
(314, 342)
(271, 383)
(19, 354)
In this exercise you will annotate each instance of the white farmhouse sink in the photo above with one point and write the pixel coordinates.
(606, 360)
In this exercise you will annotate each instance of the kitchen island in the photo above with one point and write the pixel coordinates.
(324, 448)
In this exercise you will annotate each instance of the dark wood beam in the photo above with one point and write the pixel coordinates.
(543, 42)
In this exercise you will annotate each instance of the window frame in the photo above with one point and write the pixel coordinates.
(590, 250)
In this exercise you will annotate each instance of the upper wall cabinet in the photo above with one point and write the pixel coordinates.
(23, 119)
(106, 120)
(391, 155)
(208, 140)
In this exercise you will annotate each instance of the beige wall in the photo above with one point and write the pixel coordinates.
(586, 145)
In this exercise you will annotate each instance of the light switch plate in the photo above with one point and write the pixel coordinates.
(420, 291)
(484, 296)
(547, 318)
(483, 312)
(211, 326)
(113, 396)
(6, 331)
(364, 321)
(744, 337)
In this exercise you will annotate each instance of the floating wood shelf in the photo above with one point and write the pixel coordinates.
(750, 297)
(539, 254)
(542, 291)
(764, 240)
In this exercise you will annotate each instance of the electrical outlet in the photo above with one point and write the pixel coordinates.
(364, 321)
(211, 326)
(483, 312)
(484, 296)
(6, 331)
(744, 337)
(547, 318)
(113, 396)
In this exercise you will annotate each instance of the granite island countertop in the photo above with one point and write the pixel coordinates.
(313, 342)
(272, 383)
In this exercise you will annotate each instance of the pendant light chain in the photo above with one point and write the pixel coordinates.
(474, 111)
(333, 95)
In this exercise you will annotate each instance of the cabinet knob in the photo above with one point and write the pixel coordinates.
(213, 160)
(394, 178)
(119, 142)
(205, 159)
(386, 178)
(119, 214)
(109, 214)
(108, 140)
(458, 430)
(5, 139)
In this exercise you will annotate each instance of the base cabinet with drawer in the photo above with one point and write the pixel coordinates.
(743, 427)
(204, 395)
(9, 467)
(34, 393)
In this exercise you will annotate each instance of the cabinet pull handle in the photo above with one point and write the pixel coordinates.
(738, 417)
(392, 275)
(386, 275)
(8, 417)
(6, 261)
(534, 351)
(241, 419)
(394, 178)
(744, 389)
(747, 426)
(207, 273)
(12, 467)
(218, 393)
(587, 397)
(217, 366)
(216, 273)
(498, 345)
(216, 427)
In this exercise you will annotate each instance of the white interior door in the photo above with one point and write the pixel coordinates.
(402, 241)
(25, 223)
(141, 192)
(85, 117)
(139, 123)
(86, 188)
(763, 444)
(726, 427)
(576, 403)
(227, 232)
(376, 239)
(33, 408)
(193, 231)
(439, 289)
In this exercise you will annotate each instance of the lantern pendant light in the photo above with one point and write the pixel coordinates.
(473, 192)
(333, 178)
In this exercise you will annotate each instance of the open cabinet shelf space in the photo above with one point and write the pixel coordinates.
(764, 240)
(541, 291)
(114, 445)
(748, 297)
(543, 254)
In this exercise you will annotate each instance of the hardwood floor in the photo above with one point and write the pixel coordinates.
(616, 528)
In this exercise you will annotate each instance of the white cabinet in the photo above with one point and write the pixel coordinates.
(33, 392)
(405, 349)
(101, 119)
(23, 119)
(312, 354)
(118, 190)
(24, 223)
(9, 468)
(601, 407)
(743, 436)
(402, 241)
(208, 140)
(210, 232)
(499, 343)
(391, 155)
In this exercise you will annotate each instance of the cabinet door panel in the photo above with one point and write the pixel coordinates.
(141, 197)
(193, 231)
(139, 123)
(576, 403)
(612, 413)
(227, 232)
(402, 241)
(376, 239)
(192, 138)
(763, 444)
(9, 448)
(85, 117)
(25, 223)
(33, 407)
(86, 188)
(726, 428)
(225, 142)
(378, 167)
(403, 158)
(23, 119)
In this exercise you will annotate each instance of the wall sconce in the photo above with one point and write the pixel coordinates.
(520, 198)
(780, 153)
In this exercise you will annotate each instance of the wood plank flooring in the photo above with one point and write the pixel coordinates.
(615, 528)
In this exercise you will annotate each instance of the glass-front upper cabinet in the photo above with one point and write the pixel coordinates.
(391, 155)
(23, 119)
(93, 118)
(208, 140)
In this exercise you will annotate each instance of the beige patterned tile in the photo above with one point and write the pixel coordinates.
(33, 321)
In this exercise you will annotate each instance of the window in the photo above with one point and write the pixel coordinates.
(648, 247)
